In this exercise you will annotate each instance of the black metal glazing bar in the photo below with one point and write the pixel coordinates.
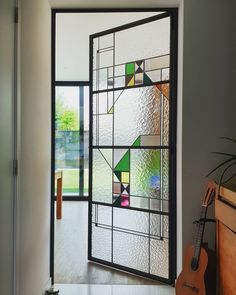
(123, 64)
(81, 141)
(130, 87)
(131, 232)
(132, 24)
(149, 147)
(131, 208)
(113, 142)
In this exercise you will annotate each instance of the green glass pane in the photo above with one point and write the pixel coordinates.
(137, 142)
(123, 165)
(130, 68)
(145, 173)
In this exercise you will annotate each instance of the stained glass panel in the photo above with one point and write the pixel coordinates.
(131, 97)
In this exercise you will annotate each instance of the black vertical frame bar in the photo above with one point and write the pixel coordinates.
(173, 142)
(53, 71)
(90, 147)
(81, 140)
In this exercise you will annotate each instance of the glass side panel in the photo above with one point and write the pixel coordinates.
(72, 138)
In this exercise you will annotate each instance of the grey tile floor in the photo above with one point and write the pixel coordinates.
(71, 264)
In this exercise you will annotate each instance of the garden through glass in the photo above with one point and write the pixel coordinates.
(71, 138)
(130, 94)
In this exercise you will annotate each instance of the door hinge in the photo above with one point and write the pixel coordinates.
(16, 15)
(15, 167)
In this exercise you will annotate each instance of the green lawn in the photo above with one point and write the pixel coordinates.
(71, 181)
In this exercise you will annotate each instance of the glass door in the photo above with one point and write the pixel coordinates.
(132, 147)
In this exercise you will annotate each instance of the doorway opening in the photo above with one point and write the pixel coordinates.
(113, 139)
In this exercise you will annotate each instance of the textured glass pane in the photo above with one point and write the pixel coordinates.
(159, 258)
(136, 113)
(131, 251)
(101, 241)
(102, 215)
(105, 129)
(157, 63)
(159, 225)
(102, 79)
(105, 41)
(106, 58)
(138, 202)
(102, 178)
(165, 174)
(149, 40)
(154, 76)
(131, 220)
(145, 173)
(159, 205)
(165, 74)
(165, 121)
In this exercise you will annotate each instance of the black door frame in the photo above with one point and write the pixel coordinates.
(173, 122)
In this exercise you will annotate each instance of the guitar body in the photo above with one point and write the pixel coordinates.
(198, 276)
(192, 282)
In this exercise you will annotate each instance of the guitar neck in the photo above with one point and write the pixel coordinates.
(200, 232)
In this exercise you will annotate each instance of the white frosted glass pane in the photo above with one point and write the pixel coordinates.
(105, 130)
(159, 258)
(141, 42)
(131, 220)
(101, 243)
(102, 179)
(131, 251)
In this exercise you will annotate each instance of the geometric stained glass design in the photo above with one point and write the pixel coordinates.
(130, 96)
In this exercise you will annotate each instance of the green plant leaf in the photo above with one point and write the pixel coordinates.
(222, 175)
(220, 165)
(228, 179)
(224, 154)
(228, 138)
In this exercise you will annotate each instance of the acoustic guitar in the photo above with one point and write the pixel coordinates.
(198, 274)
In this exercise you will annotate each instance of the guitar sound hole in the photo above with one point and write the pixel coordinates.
(194, 264)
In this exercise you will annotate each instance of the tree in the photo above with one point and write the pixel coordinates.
(66, 118)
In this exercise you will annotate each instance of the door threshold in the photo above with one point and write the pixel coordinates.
(86, 289)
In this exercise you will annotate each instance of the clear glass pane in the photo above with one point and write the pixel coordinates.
(71, 138)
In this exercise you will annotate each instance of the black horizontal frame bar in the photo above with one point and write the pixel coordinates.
(123, 64)
(129, 231)
(130, 87)
(131, 208)
(131, 25)
(131, 147)
(110, 10)
(130, 270)
(71, 83)
(74, 198)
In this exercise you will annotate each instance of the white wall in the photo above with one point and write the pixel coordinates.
(209, 96)
(6, 145)
(35, 147)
